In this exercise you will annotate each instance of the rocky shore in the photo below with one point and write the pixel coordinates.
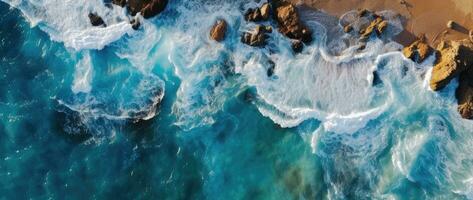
(453, 55)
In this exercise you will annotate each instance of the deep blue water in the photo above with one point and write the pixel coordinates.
(86, 121)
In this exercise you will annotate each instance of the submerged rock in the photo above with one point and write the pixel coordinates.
(418, 51)
(96, 20)
(289, 22)
(455, 57)
(257, 38)
(218, 30)
(258, 14)
(271, 68)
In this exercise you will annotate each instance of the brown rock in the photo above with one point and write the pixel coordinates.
(96, 20)
(218, 31)
(265, 11)
(348, 28)
(363, 12)
(378, 26)
(418, 51)
(289, 22)
(455, 57)
(258, 14)
(148, 8)
(258, 37)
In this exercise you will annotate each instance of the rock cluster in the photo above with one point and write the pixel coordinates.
(377, 25)
(456, 59)
(287, 18)
(257, 38)
(218, 30)
(258, 14)
(418, 51)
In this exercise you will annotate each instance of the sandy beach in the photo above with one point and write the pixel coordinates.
(429, 17)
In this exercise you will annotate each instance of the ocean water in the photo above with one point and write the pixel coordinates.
(166, 113)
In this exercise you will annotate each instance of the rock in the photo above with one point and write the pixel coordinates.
(148, 8)
(272, 66)
(96, 20)
(121, 3)
(418, 51)
(382, 27)
(258, 37)
(377, 26)
(258, 14)
(451, 24)
(464, 95)
(455, 57)
(363, 12)
(348, 28)
(265, 11)
(135, 24)
(289, 22)
(297, 46)
(218, 30)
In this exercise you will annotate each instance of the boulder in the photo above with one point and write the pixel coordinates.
(218, 30)
(257, 38)
(258, 14)
(96, 20)
(418, 51)
(455, 57)
(289, 22)
(148, 8)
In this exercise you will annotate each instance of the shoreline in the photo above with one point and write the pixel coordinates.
(421, 18)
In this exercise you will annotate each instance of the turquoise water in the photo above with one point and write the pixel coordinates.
(166, 113)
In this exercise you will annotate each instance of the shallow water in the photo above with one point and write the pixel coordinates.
(166, 113)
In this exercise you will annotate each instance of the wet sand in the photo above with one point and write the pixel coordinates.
(427, 17)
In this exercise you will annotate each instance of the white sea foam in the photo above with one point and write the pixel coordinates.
(83, 75)
(67, 21)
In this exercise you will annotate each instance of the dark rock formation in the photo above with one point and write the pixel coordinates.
(96, 20)
(418, 51)
(135, 24)
(121, 3)
(271, 68)
(257, 38)
(464, 95)
(258, 14)
(297, 46)
(455, 57)
(148, 8)
(218, 30)
(153, 8)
